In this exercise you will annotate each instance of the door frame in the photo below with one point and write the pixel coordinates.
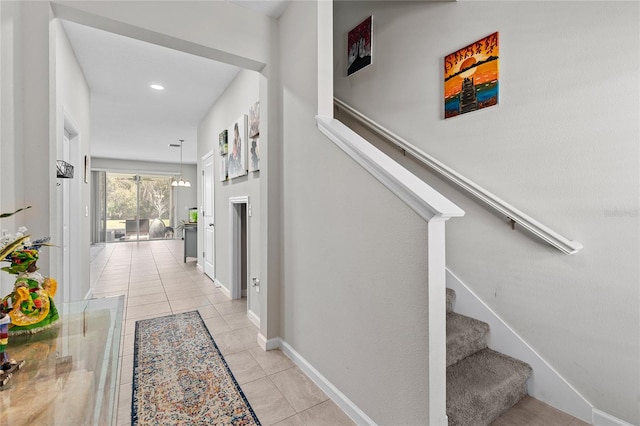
(72, 209)
(235, 246)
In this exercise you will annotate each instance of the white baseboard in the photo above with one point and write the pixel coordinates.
(225, 290)
(341, 400)
(272, 344)
(545, 384)
(199, 268)
(600, 418)
(254, 318)
(262, 342)
(268, 345)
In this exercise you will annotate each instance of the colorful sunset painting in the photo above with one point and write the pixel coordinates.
(471, 77)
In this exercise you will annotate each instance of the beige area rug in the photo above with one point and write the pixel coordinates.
(181, 378)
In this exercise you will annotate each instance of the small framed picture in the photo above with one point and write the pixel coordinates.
(471, 77)
(359, 46)
(223, 142)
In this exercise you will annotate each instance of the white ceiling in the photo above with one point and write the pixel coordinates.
(129, 119)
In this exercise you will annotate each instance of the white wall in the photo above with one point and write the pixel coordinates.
(32, 130)
(242, 93)
(562, 146)
(40, 79)
(27, 174)
(11, 193)
(187, 198)
(72, 98)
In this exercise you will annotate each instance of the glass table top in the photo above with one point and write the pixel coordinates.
(70, 374)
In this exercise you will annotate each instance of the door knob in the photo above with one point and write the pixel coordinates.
(211, 224)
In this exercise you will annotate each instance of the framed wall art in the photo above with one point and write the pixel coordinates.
(223, 142)
(254, 137)
(359, 46)
(238, 148)
(471, 77)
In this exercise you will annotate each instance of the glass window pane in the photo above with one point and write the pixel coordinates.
(121, 207)
(155, 207)
(138, 207)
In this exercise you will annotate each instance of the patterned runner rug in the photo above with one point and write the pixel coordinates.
(181, 378)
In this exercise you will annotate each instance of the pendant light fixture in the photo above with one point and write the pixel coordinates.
(180, 182)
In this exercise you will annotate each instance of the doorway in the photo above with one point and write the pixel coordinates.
(208, 198)
(71, 288)
(238, 246)
(250, 62)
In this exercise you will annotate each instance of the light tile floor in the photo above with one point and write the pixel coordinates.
(156, 282)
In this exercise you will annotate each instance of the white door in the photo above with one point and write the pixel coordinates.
(207, 215)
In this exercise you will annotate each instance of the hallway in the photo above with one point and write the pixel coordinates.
(156, 282)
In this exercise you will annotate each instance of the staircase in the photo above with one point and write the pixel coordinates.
(482, 384)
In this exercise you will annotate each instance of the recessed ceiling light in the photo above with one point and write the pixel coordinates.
(156, 87)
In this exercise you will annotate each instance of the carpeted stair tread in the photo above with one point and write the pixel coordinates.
(465, 336)
(483, 386)
(451, 299)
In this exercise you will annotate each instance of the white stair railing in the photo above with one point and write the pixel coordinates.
(436, 210)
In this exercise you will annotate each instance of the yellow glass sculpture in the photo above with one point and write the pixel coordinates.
(30, 304)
